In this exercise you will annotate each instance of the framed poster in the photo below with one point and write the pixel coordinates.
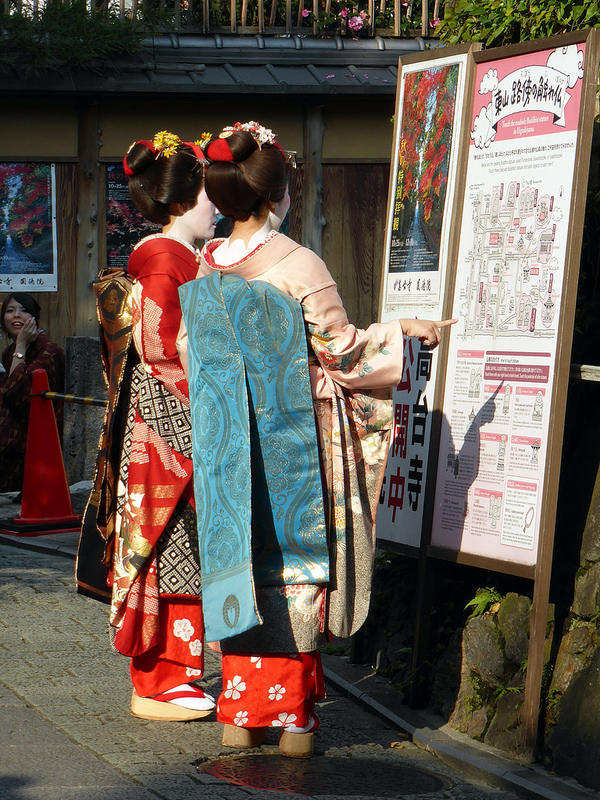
(125, 226)
(429, 135)
(531, 115)
(28, 246)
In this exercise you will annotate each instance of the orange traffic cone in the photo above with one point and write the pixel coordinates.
(46, 501)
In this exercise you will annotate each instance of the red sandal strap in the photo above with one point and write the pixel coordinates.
(192, 691)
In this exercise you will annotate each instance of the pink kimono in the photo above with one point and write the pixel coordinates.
(352, 374)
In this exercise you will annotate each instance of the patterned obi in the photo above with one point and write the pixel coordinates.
(257, 481)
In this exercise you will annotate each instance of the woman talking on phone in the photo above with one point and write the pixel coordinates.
(30, 349)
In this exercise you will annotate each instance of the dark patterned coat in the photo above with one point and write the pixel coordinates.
(14, 404)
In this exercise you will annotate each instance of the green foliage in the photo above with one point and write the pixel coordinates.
(503, 691)
(484, 598)
(578, 621)
(553, 707)
(553, 699)
(596, 616)
(501, 22)
(64, 35)
(479, 693)
(394, 562)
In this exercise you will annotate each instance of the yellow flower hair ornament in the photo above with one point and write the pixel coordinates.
(166, 144)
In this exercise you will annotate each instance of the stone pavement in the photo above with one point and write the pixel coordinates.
(66, 732)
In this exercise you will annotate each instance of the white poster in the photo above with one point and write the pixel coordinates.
(507, 298)
(425, 152)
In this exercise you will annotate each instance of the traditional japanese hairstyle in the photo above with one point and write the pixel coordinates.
(162, 172)
(247, 169)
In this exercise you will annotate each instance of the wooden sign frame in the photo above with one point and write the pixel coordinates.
(516, 210)
(539, 153)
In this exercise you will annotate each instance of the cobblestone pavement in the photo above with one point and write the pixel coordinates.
(66, 732)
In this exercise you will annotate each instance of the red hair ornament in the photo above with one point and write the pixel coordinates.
(197, 150)
(218, 150)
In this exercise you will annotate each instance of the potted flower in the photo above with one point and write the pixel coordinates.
(338, 18)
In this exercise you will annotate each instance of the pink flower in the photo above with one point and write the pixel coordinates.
(344, 12)
(355, 23)
(363, 14)
(433, 23)
(305, 12)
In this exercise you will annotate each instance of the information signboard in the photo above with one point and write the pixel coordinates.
(125, 226)
(519, 239)
(512, 284)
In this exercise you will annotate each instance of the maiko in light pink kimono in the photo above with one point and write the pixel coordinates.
(353, 373)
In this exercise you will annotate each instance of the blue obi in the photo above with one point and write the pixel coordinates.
(257, 480)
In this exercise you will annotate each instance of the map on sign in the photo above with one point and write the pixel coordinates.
(509, 288)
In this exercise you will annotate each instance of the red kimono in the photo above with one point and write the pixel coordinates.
(156, 607)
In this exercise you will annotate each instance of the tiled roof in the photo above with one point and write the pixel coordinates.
(300, 65)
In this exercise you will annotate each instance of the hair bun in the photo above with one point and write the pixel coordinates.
(139, 157)
(231, 146)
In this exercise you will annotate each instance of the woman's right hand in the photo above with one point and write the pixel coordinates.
(26, 335)
(425, 330)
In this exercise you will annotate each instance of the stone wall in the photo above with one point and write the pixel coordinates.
(573, 708)
(82, 423)
(455, 644)
(494, 648)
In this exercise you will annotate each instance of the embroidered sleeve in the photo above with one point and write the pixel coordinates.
(358, 360)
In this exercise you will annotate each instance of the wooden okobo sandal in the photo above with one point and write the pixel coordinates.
(299, 744)
(161, 707)
(237, 736)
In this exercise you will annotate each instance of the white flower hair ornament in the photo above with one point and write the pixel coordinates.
(259, 133)
(218, 150)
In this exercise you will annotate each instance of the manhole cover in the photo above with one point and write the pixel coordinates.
(321, 776)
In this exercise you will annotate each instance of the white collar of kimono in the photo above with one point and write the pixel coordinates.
(230, 251)
(149, 238)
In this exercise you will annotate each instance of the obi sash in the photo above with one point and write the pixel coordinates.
(257, 481)
(95, 549)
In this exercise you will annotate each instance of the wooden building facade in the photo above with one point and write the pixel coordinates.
(330, 100)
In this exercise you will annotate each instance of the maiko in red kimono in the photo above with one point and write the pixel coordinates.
(156, 608)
